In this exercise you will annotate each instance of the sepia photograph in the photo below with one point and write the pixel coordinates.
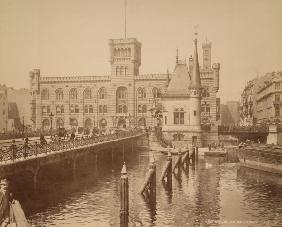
(130, 113)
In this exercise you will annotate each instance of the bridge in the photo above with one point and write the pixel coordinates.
(245, 132)
(31, 158)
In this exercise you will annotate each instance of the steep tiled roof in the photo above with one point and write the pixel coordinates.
(180, 81)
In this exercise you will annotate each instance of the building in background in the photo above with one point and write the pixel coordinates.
(122, 99)
(269, 100)
(3, 109)
(253, 95)
(230, 113)
(22, 98)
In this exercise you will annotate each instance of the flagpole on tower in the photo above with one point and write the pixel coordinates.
(125, 19)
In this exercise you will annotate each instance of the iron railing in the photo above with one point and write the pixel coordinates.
(26, 150)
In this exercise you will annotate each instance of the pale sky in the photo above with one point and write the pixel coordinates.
(70, 37)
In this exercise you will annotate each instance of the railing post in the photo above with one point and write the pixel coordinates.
(124, 193)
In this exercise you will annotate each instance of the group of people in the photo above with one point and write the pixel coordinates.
(214, 146)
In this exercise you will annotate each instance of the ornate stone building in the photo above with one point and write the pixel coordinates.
(255, 107)
(122, 99)
(3, 108)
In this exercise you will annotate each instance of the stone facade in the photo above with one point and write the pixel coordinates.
(269, 101)
(122, 99)
(257, 100)
(3, 108)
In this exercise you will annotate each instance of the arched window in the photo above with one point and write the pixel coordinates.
(102, 123)
(91, 109)
(76, 109)
(45, 94)
(59, 94)
(59, 123)
(121, 70)
(142, 122)
(178, 137)
(144, 109)
(141, 93)
(73, 93)
(58, 109)
(86, 109)
(73, 122)
(87, 94)
(102, 93)
(121, 100)
(88, 123)
(71, 108)
(46, 124)
(156, 93)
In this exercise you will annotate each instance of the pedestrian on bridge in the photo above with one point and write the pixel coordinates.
(13, 149)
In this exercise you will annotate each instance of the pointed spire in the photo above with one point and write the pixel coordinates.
(195, 78)
(125, 19)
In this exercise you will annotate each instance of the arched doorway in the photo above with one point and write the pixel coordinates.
(59, 123)
(88, 123)
(73, 123)
(142, 122)
(45, 124)
(103, 124)
(121, 123)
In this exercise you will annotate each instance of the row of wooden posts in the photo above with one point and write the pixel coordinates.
(148, 188)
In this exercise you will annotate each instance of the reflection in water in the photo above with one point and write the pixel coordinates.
(209, 193)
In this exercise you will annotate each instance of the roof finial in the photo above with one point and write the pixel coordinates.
(125, 19)
(177, 56)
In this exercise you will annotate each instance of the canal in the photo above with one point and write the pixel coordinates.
(211, 193)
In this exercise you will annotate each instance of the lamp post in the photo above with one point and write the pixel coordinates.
(51, 119)
(23, 127)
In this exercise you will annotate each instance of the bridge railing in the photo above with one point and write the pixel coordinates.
(14, 152)
(242, 129)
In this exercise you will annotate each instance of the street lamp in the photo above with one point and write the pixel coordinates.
(51, 119)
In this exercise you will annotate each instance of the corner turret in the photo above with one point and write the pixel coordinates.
(216, 68)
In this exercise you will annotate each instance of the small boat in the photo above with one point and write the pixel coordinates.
(215, 153)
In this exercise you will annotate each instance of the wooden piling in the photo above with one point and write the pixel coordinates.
(167, 171)
(149, 184)
(124, 193)
(178, 161)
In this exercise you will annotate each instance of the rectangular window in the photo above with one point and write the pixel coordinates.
(165, 120)
(100, 109)
(277, 112)
(105, 109)
(43, 108)
(90, 109)
(86, 109)
(62, 109)
(176, 118)
(3, 112)
(181, 118)
(195, 113)
(208, 108)
(71, 108)
(48, 109)
(76, 109)
(277, 86)
(277, 98)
